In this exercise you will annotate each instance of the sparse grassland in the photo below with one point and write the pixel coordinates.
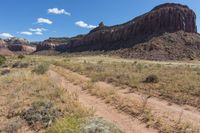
(135, 107)
(178, 83)
(31, 102)
(27, 83)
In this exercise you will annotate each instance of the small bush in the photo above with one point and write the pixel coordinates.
(4, 72)
(41, 69)
(98, 125)
(21, 56)
(2, 59)
(151, 79)
(68, 124)
(76, 124)
(20, 65)
(42, 113)
(14, 125)
(16, 64)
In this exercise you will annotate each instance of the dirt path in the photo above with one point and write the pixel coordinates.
(109, 113)
(172, 111)
(162, 108)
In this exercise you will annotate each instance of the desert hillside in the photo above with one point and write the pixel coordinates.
(168, 46)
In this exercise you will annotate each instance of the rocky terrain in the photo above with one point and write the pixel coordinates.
(16, 45)
(164, 18)
(169, 46)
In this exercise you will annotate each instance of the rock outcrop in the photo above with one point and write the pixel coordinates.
(168, 46)
(167, 32)
(58, 44)
(51, 43)
(16, 45)
(164, 18)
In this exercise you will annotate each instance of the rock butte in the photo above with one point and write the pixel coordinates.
(168, 17)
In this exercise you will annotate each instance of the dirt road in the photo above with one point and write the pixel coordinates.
(125, 122)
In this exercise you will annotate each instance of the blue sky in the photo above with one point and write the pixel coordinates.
(39, 19)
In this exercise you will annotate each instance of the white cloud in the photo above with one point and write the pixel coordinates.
(58, 11)
(6, 35)
(26, 33)
(38, 29)
(82, 24)
(38, 33)
(44, 20)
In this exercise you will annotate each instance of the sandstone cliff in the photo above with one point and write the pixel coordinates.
(16, 45)
(163, 18)
(167, 32)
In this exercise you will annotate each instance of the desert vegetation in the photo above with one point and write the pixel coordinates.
(2, 59)
(36, 102)
(135, 107)
(32, 102)
(178, 83)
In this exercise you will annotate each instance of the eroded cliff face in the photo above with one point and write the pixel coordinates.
(16, 45)
(51, 43)
(168, 18)
(164, 18)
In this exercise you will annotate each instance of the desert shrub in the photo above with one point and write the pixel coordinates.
(139, 67)
(20, 65)
(42, 113)
(2, 59)
(24, 65)
(68, 124)
(5, 71)
(16, 64)
(98, 125)
(13, 125)
(21, 56)
(76, 124)
(41, 69)
(151, 79)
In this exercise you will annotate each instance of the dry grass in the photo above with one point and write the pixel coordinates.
(177, 83)
(137, 108)
(20, 88)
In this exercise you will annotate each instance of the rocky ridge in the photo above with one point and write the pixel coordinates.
(16, 45)
(168, 17)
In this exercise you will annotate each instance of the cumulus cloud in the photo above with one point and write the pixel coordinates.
(6, 35)
(26, 33)
(44, 20)
(38, 29)
(58, 11)
(38, 33)
(82, 24)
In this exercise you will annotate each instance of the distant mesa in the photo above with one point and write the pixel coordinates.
(168, 17)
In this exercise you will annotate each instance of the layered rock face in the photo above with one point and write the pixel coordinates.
(164, 18)
(16, 45)
(58, 44)
(51, 43)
